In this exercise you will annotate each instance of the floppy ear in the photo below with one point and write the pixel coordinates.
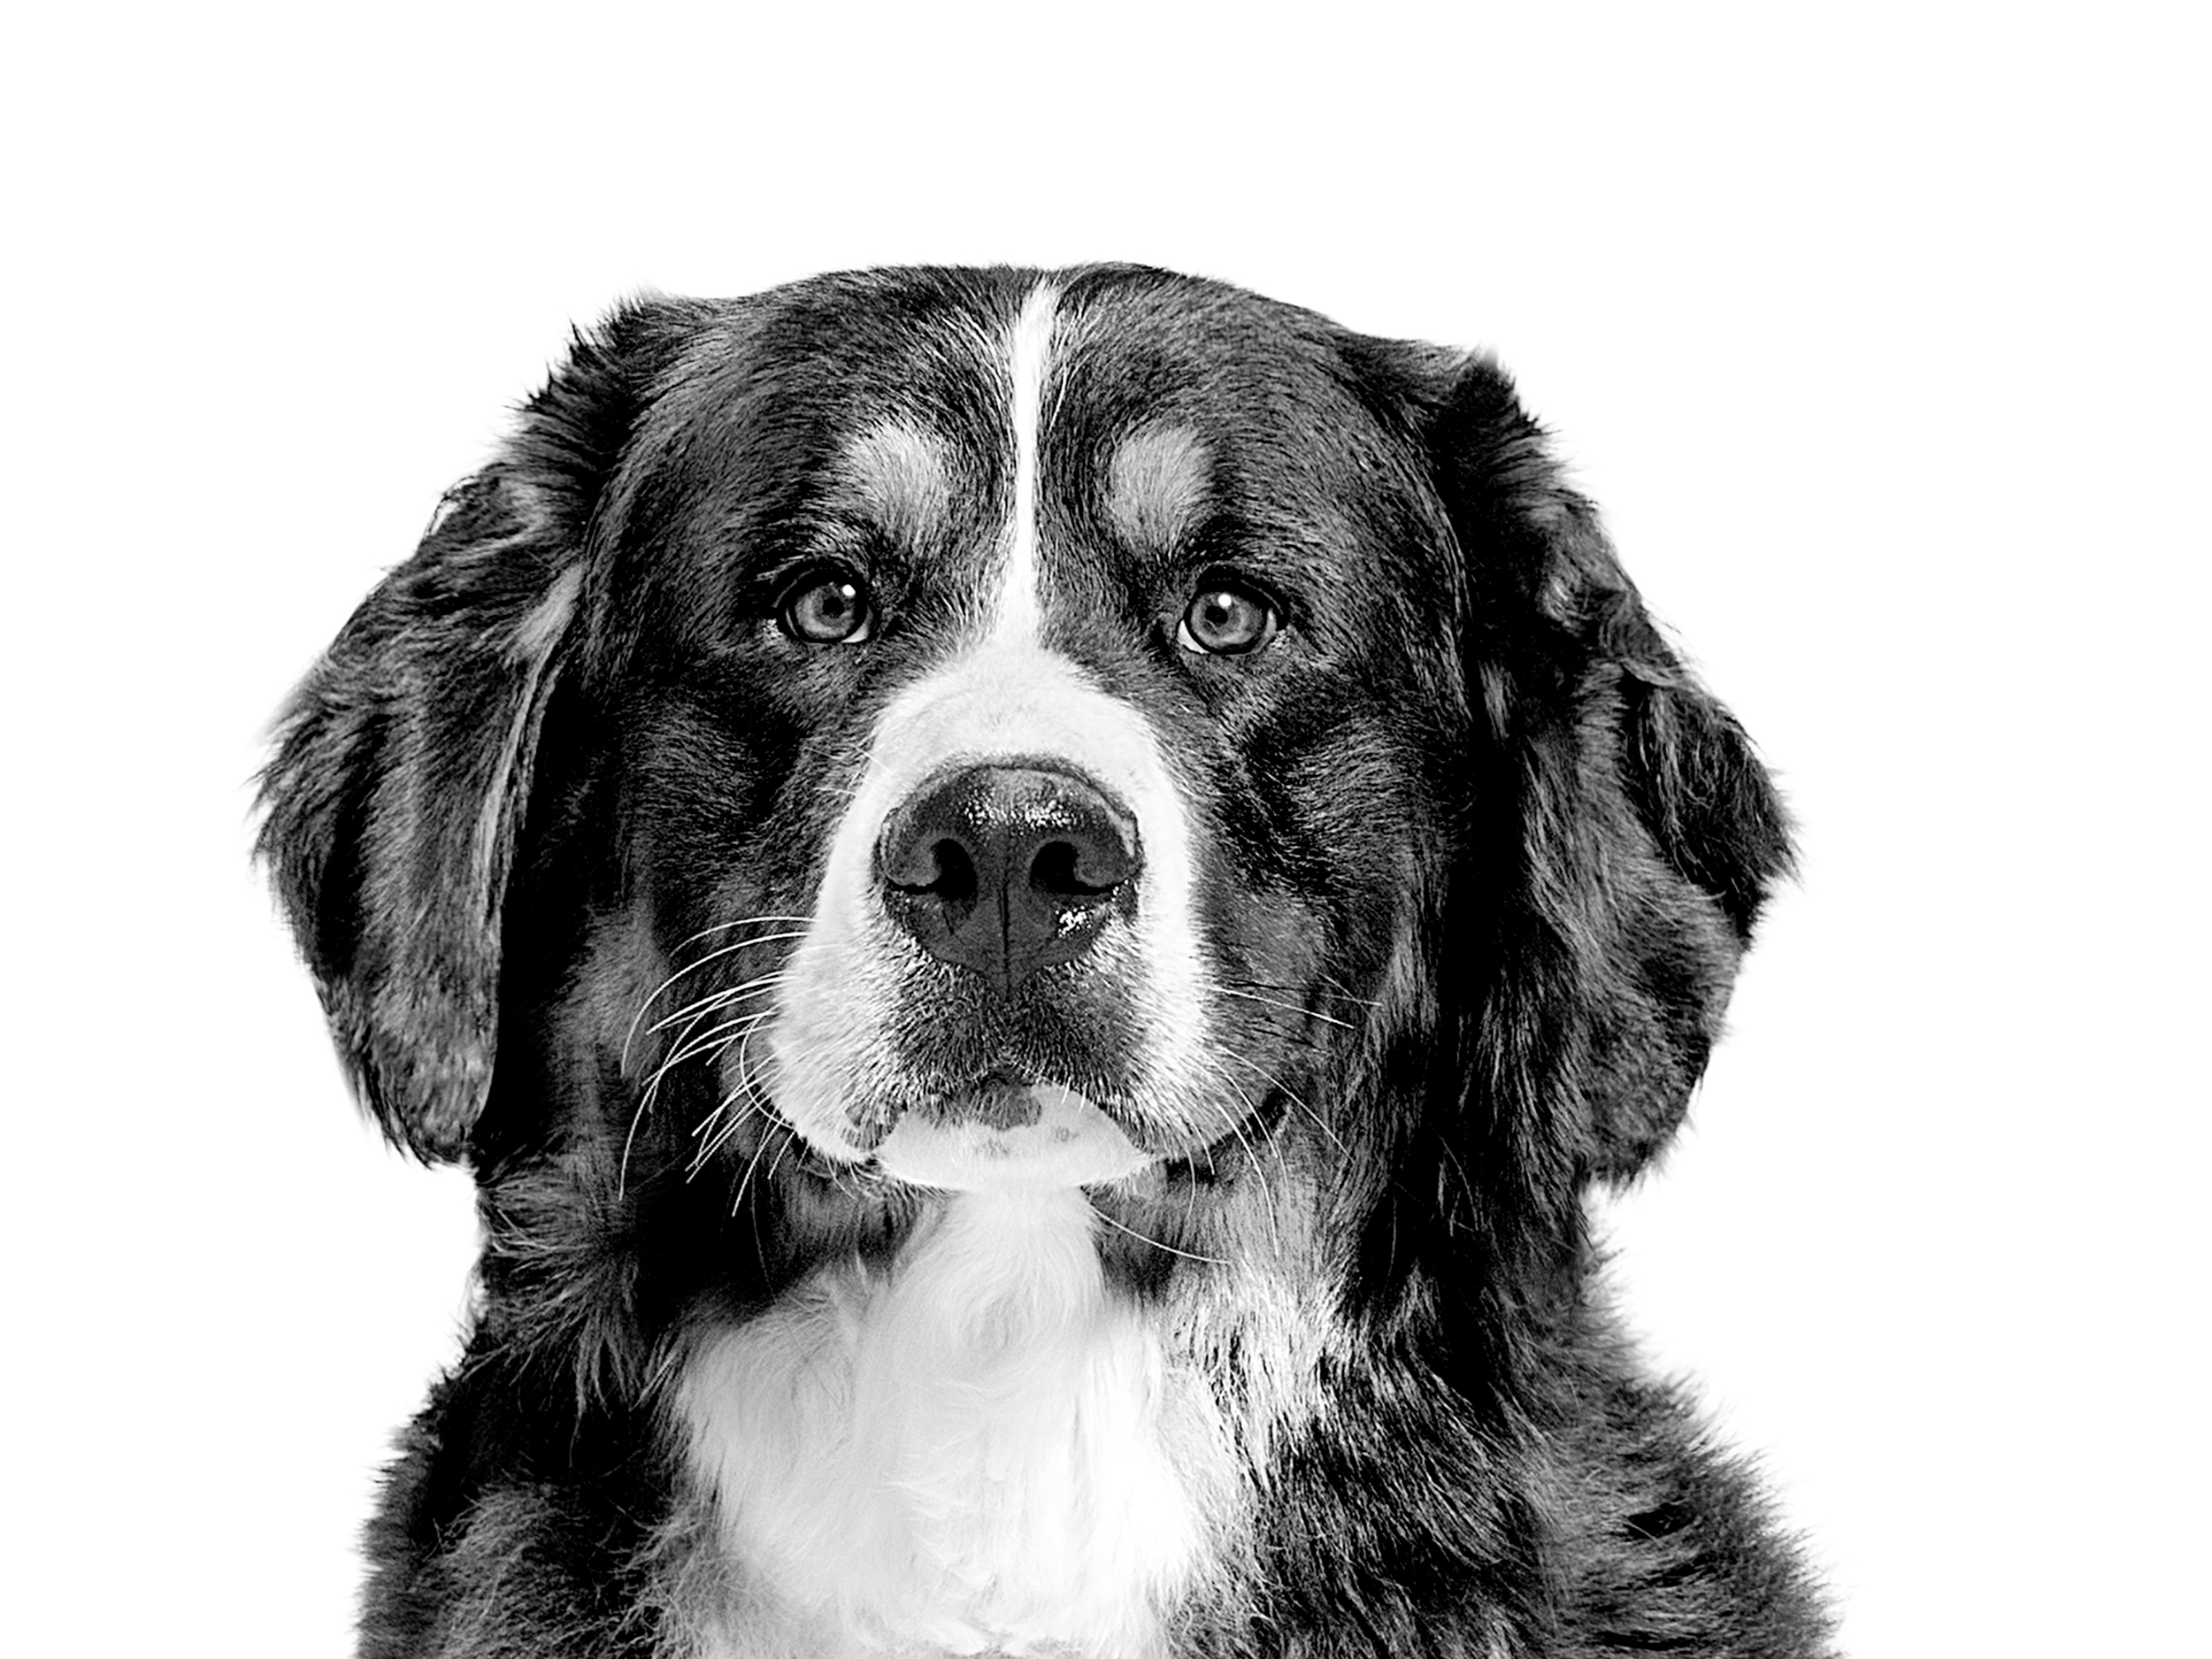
(403, 763)
(1644, 831)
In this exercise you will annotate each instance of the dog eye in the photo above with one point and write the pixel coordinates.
(827, 608)
(1227, 620)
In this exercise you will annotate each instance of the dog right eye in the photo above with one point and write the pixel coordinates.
(828, 607)
(1228, 618)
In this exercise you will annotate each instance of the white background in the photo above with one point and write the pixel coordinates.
(1879, 333)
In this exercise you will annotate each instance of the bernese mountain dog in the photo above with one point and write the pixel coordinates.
(1035, 898)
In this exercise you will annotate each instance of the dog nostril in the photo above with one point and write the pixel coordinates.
(1063, 870)
(943, 867)
(955, 872)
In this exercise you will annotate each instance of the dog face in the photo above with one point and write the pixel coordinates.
(1058, 686)
(940, 730)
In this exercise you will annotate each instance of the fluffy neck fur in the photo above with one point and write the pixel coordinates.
(983, 1448)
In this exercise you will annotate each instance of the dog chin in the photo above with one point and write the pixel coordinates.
(1039, 1137)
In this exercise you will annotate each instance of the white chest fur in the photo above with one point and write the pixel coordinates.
(983, 1450)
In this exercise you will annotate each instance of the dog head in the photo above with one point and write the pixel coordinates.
(939, 729)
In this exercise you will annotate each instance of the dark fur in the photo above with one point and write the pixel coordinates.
(1481, 762)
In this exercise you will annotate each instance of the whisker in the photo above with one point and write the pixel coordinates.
(1337, 989)
(743, 991)
(1274, 1001)
(1290, 1094)
(1343, 994)
(746, 1180)
(788, 1135)
(660, 990)
(1188, 1256)
(691, 1046)
(686, 1048)
(790, 1138)
(756, 1103)
(727, 1131)
(696, 1013)
(1251, 1155)
(742, 921)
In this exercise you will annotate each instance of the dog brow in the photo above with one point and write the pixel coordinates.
(896, 471)
(1156, 485)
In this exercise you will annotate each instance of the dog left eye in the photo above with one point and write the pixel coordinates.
(827, 608)
(1227, 620)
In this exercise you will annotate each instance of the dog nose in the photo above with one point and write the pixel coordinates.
(1003, 870)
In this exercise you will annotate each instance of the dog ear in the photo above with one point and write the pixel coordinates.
(403, 763)
(1644, 832)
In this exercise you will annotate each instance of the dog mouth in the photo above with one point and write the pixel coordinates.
(1006, 1132)
(1010, 1136)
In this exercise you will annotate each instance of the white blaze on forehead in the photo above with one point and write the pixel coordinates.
(1018, 608)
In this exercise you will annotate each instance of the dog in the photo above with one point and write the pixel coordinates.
(1035, 897)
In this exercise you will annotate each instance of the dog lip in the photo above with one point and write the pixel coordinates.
(1002, 1101)
(1061, 1138)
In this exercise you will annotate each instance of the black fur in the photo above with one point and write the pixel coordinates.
(1476, 814)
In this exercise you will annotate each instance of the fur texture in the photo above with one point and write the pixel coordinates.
(1235, 1298)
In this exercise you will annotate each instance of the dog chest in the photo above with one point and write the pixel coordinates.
(984, 1450)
